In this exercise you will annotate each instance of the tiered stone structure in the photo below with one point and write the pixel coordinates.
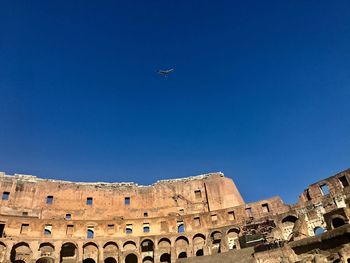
(200, 218)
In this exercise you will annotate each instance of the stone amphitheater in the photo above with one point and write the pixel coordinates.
(196, 219)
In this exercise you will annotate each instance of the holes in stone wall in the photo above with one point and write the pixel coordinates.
(146, 228)
(324, 189)
(180, 227)
(265, 208)
(145, 214)
(231, 215)
(5, 196)
(344, 181)
(197, 221)
(128, 229)
(198, 194)
(49, 200)
(110, 228)
(90, 232)
(70, 230)
(24, 228)
(127, 201)
(47, 230)
(338, 222)
(318, 230)
(249, 211)
(68, 216)
(89, 201)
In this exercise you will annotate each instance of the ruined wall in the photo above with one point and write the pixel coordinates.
(170, 220)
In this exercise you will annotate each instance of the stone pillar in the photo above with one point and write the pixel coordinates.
(100, 253)
(80, 251)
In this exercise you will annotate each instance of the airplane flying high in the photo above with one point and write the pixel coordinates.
(166, 72)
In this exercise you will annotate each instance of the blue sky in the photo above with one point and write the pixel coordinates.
(261, 91)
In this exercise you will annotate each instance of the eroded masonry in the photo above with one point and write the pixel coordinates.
(196, 219)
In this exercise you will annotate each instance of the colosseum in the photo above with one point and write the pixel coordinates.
(196, 219)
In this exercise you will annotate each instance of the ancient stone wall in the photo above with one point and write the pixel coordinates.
(57, 221)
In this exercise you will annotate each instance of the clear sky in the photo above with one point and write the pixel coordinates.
(261, 91)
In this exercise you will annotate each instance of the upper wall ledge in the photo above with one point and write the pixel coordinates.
(34, 179)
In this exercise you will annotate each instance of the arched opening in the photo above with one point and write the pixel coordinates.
(181, 228)
(45, 260)
(289, 218)
(90, 252)
(216, 242)
(148, 260)
(199, 252)
(337, 222)
(90, 234)
(46, 249)
(318, 230)
(129, 245)
(181, 245)
(147, 249)
(147, 246)
(110, 250)
(110, 260)
(68, 251)
(21, 252)
(166, 258)
(89, 260)
(19, 261)
(198, 243)
(288, 225)
(183, 255)
(131, 258)
(232, 238)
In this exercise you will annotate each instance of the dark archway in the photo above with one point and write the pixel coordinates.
(68, 250)
(165, 258)
(19, 261)
(131, 258)
(199, 253)
(183, 255)
(290, 218)
(22, 251)
(89, 260)
(45, 260)
(110, 260)
(337, 222)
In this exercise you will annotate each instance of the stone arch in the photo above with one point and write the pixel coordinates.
(45, 260)
(165, 257)
(164, 248)
(181, 245)
(287, 225)
(21, 252)
(148, 259)
(215, 238)
(182, 255)
(110, 250)
(3, 249)
(232, 238)
(68, 252)
(46, 249)
(198, 244)
(147, 250)
(90, 252)
(338, 221)
(129, 245)
(131, 258)
(318, 230)
(110, 260)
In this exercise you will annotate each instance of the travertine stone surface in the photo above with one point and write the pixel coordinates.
(52, 221)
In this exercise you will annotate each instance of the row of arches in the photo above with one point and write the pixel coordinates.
(111, 251)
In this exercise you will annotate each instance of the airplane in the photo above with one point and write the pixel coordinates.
(166, 72)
